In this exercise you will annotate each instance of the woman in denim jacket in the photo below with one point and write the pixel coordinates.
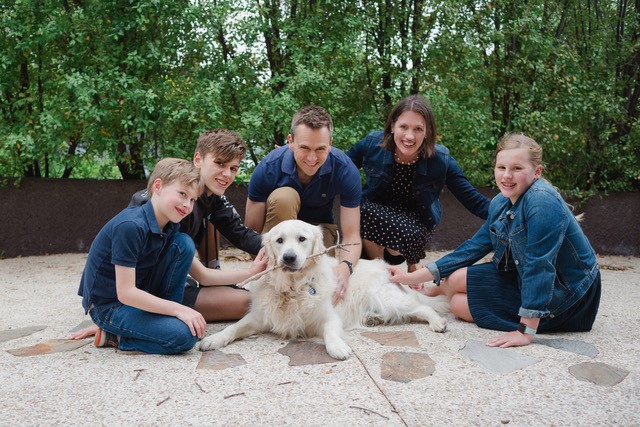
(405, 173)
(543, 275)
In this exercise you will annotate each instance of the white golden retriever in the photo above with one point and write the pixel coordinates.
(294, 301)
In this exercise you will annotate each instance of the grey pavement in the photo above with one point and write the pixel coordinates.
(401, 375)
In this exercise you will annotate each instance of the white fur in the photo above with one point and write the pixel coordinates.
(295, 301)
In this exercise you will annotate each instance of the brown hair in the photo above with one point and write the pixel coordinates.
(223, 144)
(417, 104)
(170, 169)
(312, 116)
(518, 140)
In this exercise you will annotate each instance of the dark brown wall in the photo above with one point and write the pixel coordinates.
(42, 216)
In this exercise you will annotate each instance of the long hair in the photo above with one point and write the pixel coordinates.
(417, 104)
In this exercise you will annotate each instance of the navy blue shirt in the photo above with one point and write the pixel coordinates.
(133, 239)
(336, 177)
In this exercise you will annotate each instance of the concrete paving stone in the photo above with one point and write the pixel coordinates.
(12, 334)
(217, 360)
(303, 353)
(573, 346)
(398, 339)
(404, 367)
(51, 346)
(598, 373)
(495, 359)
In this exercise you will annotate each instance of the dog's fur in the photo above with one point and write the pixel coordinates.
(294, 301)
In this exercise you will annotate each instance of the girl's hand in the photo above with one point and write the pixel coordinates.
(260, 263)
(401, 277)
(510, 339)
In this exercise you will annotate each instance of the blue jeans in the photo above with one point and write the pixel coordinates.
(153, 333)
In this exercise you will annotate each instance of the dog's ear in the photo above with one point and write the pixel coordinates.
(268, 249)
(318, 240)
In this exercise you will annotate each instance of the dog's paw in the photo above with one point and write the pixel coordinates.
(212, 342)
(438, 324)
(338, 349)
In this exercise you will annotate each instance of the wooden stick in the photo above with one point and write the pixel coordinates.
(340, 247)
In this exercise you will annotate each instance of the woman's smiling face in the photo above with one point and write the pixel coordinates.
(408, 133)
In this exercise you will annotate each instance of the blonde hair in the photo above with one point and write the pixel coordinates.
(170, 169)
(223, 144)
(519, 140)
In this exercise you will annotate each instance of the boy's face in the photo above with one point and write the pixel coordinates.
(174, 201)
(217, 176)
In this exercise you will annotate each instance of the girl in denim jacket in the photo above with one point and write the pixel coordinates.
(543, 275)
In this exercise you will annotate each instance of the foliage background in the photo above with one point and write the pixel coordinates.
(102, 89)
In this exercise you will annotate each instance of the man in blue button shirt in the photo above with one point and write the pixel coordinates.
(301, 181)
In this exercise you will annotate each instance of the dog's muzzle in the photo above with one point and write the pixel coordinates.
(291, 260)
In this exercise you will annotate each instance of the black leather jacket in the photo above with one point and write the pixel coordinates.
(221, 213)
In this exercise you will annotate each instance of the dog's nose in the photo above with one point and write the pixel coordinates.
(289, 258)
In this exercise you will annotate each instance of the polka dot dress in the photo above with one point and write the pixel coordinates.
(394, 222)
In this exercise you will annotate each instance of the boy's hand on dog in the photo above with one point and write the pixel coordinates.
(259, 263)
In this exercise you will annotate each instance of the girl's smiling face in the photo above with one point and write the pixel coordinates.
(514, 172)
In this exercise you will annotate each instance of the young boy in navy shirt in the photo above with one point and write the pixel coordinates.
(133, 282)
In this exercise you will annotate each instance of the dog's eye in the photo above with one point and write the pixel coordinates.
(302, 239)
(279, 240)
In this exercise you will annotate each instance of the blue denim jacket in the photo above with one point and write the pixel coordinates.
(555, 262)
(433, 174)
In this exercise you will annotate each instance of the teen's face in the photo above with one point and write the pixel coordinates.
(514, 172)
(217, 176)
(173, 201)
(310, 149)
(409, 131)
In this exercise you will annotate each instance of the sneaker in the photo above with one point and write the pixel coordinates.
(105, 339)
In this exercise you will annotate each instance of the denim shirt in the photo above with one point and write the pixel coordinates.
(555, 262)
(432, 175)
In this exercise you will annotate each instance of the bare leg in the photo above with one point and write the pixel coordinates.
(454, 284)
(372, 250)
(217, 303)
(460, 307)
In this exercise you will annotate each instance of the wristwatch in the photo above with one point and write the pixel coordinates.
(349, 264)
(524, 329)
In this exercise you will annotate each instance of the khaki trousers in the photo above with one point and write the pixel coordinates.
(283, 204)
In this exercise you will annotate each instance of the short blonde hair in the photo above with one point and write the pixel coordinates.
(170, 169)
